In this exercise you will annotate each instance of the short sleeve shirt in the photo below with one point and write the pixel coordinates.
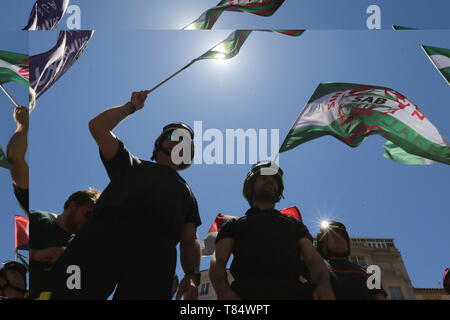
(265, 245)
(147, 193)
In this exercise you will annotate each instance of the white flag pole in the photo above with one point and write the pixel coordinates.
(9, 96)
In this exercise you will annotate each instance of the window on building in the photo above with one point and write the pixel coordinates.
(358, 260)
(204, 289)
(396, 293)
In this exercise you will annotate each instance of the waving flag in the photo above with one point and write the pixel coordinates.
(46, 14)
(14, 67)
(3, 161)
(46, 68)
(228, 48)
(402, 28)
(259, 7)
(440, 58)
(352, 112)
(21, 232)
(220, 220)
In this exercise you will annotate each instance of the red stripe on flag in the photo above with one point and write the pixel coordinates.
(21, 232)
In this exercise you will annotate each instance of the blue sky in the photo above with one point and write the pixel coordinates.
(264, 87)
(308, 14)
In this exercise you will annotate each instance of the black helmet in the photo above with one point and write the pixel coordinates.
(256, 171)
(333, 226)
(168, 129)
(13, 265)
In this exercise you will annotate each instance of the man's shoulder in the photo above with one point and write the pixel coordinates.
(42, 216)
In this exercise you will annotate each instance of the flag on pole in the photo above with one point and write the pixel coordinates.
(3, 160)
(402, 28)
(46, 68)
(14, 67)
(46, 14)
(259, 7)
(220, 220)
(440, 58)
(21, 232)
(228, 48)
(351, 112)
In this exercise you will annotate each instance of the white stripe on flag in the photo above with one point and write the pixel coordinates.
(441, 61)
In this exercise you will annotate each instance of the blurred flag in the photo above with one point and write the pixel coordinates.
(220, 220)
(259, 7)
(352, 112)
(402, 28)
(46, 68)
(21, 232)
(440, 58)
(14, 67)
(393, 152)
(3, 161)
(230, 46)
(46, 14)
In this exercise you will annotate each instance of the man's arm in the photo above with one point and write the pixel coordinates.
(102, 125)
(218, 270)
(318, 270)
(17, 147)
(49, 255)
(190, 255)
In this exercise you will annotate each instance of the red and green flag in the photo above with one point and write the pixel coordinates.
(259, 7)
(352, 112)
(14, 67)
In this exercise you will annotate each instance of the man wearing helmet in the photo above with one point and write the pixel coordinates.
(349, 280)
(13, 281)
(267, 247)
(144, 212)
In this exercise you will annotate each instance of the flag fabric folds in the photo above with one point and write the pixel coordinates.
(3, 160)
(230, 47)
(352, 112)
(395, 27)
(46, 14)
(259, 7)
(14, 67)
(440, 58)
(21, 232)
(46, 68)
(220, 220)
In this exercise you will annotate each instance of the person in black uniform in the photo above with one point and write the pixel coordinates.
(267, 248)
(13, 281)
(17, 147)
(144, 212)
(349, 280)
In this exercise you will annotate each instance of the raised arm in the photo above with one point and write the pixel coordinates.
(17, 147)
(218, 270)
(318, 270)
(102, 125)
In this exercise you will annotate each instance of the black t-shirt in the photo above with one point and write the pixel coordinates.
(265, 246)
(349, 281)
(147, 193)
(44, 233)
(22, 196)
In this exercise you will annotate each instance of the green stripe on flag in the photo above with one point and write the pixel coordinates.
(14, 67)
(395, 153)
(440, 58)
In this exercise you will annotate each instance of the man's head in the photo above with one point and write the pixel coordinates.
(13, 280)
(78, 209)
(333, 240)
(175, 135)
(264, 183)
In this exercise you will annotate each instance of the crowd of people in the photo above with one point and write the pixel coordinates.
(148, 207)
